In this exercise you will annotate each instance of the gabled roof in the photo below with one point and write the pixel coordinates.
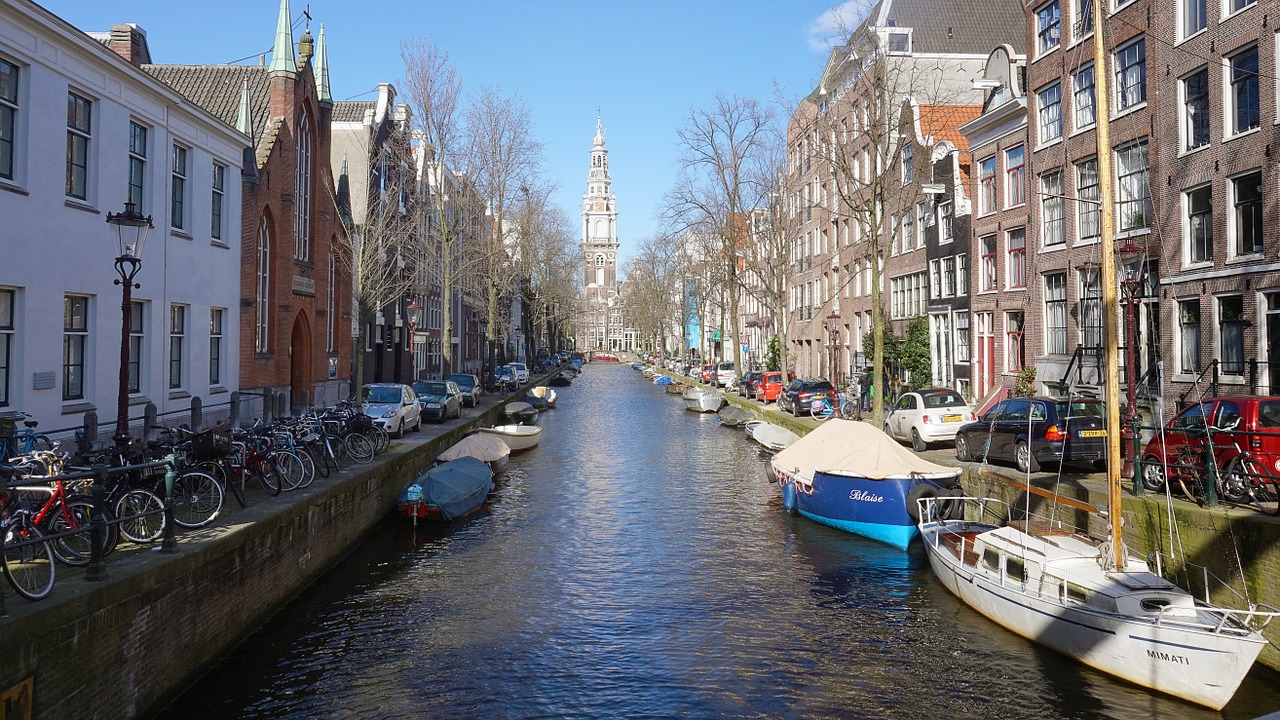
(953, 26)
(217, 89)
(352, 110)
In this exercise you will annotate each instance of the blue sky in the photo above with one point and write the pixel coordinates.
(645, 64)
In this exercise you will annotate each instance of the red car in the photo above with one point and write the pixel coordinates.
(770, 385)
(1241, 423)
(708, 371)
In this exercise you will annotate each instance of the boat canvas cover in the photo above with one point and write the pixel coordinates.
(735, 415)
(483, 447)
(855, 449)
(516, 408)
(773, 436)
(454, 486)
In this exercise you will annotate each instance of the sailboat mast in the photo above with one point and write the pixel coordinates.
(1107, 280)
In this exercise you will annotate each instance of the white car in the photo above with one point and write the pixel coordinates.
(522, 372)
(725, 375)
(392, 406)
(927, 416)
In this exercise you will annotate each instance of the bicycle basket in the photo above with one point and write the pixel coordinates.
(361, 422)
(209, 445)
(8, 427)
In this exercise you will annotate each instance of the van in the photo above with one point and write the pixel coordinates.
(725, 375)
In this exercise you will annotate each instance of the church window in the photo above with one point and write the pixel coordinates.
(599, 261)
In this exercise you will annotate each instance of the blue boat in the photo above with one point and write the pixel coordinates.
(447, 491)
(854, 478)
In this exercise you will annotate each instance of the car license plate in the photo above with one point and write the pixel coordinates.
(1093, 433)
(951, 418)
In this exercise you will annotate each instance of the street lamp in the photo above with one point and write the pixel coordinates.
(1131, 260)
(131, 228)
(833, 326)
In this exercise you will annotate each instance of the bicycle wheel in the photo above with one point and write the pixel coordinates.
(339, 449)
(319, 458)
(141, 516)
(197, 499)
(308, 466)
(75, 515)
(267, 475)
(289, 468)
(847, 410)
(359, 447)
(30, 568)
(819, 411)
(1259, 484)
(381, 440)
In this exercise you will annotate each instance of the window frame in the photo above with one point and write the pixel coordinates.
(988, 277)
(138, 143)
(1088, 204)
(1089, 307)
(1045, 111)
(75, 341)
(1048, 28)
(1015, 176)
(79, 146)
(1181, 337)
(960, 332)
(1234, 224)
(987, 185)
(1077, 90)
(1134, 206)
(8, 339)
(1015, 339)
(1125, 103)
(10, 114)
(1016, 262)
(1189, 216)
(1241, 86)
(1189, 117)
(178, 187)
(177, 341)
(1229, 347)
(217, 330)
(1055, 312)
(1053, 221)
(137, 345)
(217, 200)
(262, 290)
(1184, 16)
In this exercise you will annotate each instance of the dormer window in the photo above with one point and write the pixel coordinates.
(899, 42)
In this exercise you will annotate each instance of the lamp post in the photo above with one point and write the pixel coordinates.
(131, 228)
(833, 326)
(1131, 260)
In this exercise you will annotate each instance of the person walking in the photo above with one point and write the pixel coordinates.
(855, 391)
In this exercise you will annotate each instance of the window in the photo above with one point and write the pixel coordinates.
(1088, 205)
(1244, 91)
(262, 297)
(946, 222)
(79, 121)
(75, 336)
(935, 278)
(1055, 313)
(1194, 17)
(177, 333)
(1090, 310)
(922, 217)
(8, 119)
(949, 277)
(1195, 99)
(6, 345)
(1084, 18)
(137, 331)
(302, 191)
(1238, 5)
(1131, 74)
(1134, 201)
(331, 306)
(908, 231)
(178, 206)
(1246, 226)
(1189, 336)
(215, 345)
(1048, 27)
(988, 278)
(962, 337)
(1199, 203)
(1051, 209)
(1231, 327)
(1015, 177)
(1015, 357)
(987, 185)
(1017, 270)
(1083, 99)
(137, 165)
(219, 195)
(907, 169)
(899, 42)
(1049, 105)
(962, 275)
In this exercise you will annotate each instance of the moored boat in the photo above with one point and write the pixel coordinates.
(447, 491)
(734, 416)
(703, 401)
(520, 412)
(773, 437)
(545, 393)
(517, 437)
(488, 449)
(851, 476)
(561, 380)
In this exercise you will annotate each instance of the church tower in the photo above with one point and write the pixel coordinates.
(600, 251)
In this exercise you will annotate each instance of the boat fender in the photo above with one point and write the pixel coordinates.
(920, 491)
(949, 505)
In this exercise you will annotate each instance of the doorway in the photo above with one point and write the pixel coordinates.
(301, 382)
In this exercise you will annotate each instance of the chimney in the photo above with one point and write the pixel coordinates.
(130, 42)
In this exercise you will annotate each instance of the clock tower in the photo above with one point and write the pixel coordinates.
(600, 252)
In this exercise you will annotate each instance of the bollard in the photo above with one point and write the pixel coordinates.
(234, 418)
(1210, 474)
(197, 413)
(97, 570)
(3, 612)
(1137, 457)
(169, 544)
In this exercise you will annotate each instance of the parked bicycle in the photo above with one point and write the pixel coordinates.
(822, 408)
(27, 560)
(1242, 480)
(15, 442)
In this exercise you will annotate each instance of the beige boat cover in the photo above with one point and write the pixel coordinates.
(481, 446)
(856, 449)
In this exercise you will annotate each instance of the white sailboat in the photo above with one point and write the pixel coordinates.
(1088, 599)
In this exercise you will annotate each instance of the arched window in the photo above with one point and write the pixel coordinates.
(262, 298)
(302, 191)
(331, 306)
(599, 261)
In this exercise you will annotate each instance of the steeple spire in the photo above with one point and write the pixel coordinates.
(322, 69)
(244, 118)
(282, 52)
(599, 141)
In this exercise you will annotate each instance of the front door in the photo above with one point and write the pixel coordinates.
(300, 380)
(1272, 344)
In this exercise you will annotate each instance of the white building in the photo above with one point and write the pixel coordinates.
(89, 132)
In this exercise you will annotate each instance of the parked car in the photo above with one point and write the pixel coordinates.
(440, 399)
(1253, 423)
(725, 375)
(747, 384)
(796, 398)
(708, 371)
(392, 406)
(1030, 431)
(470, 387)
(504, 378)
(927, 416)
(521, 371)
(769, 386)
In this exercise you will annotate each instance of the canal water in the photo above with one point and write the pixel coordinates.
(636, 564)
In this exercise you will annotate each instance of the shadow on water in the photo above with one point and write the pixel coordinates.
(636, 564)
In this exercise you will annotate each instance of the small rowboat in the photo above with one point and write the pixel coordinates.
(520, 412)
(488, 449)
(517, 437)
(546, 393)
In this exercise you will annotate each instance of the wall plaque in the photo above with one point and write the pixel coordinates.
(304, 286)
(42, 380)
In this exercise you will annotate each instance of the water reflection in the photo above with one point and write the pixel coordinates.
(636, 564)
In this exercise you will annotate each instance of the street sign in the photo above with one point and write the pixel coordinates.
(745, 350)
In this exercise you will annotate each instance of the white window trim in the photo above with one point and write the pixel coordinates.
(1232, 230)
(1228, 102)
(1115, 83)
(1041, 143)
(1187, 264)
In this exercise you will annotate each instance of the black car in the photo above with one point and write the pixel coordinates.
(470, 387)
(796, 397)
(747, 384)
(1029, 431)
